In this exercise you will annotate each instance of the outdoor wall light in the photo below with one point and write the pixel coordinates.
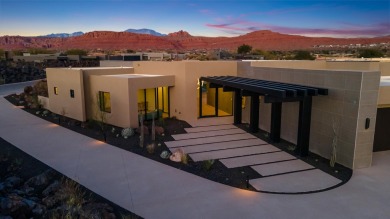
(367, 123)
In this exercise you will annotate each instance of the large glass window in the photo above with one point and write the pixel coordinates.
(214, 101)
(208, 100)
(105, 101)
(225, 103)
(153, 102)
(162, 101)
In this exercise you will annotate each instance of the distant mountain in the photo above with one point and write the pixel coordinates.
(145, 31)
(63, 35)
(179, 34)
(183, 41)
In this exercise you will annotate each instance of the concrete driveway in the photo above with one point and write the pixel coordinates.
(154, 190)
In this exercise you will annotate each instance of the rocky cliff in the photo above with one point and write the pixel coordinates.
(179, 41)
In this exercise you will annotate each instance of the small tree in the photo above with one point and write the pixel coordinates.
(153, 128)
(76, 52)
(17, 52)
(303, 55)
(2, 54)
(370, 53)
(63, 113)
(142, 134)
(335, 128)
(40, 88)
(40, 51)
(244, 49)
(267, 55)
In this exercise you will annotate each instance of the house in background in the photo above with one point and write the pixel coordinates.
(174, 89)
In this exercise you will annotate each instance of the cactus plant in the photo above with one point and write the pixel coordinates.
(127, 132)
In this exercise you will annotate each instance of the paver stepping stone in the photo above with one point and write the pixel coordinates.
(223, 145)
(281, 167)
(208, 134)
(256, 159)
(233, 152)
(305, 181)
(186, 142)
(209, 128)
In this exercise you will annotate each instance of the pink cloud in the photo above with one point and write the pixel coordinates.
(240, 26)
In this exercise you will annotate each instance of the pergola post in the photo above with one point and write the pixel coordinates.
(254, 113)
(304, 126)
(200, 98)
(216, 101)
(237, 107)
(276, 119)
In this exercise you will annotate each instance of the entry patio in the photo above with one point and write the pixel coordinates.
(273, 92)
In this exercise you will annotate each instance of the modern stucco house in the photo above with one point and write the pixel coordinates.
(183, 90)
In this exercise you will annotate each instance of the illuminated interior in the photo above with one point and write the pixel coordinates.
(105, 101)
(215, 102)
(153, 102)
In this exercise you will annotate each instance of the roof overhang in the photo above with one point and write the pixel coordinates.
(273, 91)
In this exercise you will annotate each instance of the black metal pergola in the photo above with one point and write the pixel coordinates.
(275, 93)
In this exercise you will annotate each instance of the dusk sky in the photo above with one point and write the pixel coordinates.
(345, 18)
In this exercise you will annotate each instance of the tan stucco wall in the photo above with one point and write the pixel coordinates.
(90, 97)
(66, 79)
(353, 65)
(384, 97)
(118, 89)
(78, 80)
(183, 96)
(294, 64)
(115, 63)
(352, 98)
(384, 67)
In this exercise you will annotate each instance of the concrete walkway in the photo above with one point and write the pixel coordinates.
(154, 190)
(233, 147)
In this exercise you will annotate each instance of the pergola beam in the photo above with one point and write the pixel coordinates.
(275, 93)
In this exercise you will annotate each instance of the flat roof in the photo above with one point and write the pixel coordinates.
(270, 89)
(96, 68)
(135, 75)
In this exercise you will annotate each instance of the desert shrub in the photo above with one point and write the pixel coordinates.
(28, 89)
(76, 52)
(70, 198)
(41, 89)
(207, 164)
(303, 55)
(184, 158)
(370, 53)
(150, 148)
(127, 132)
